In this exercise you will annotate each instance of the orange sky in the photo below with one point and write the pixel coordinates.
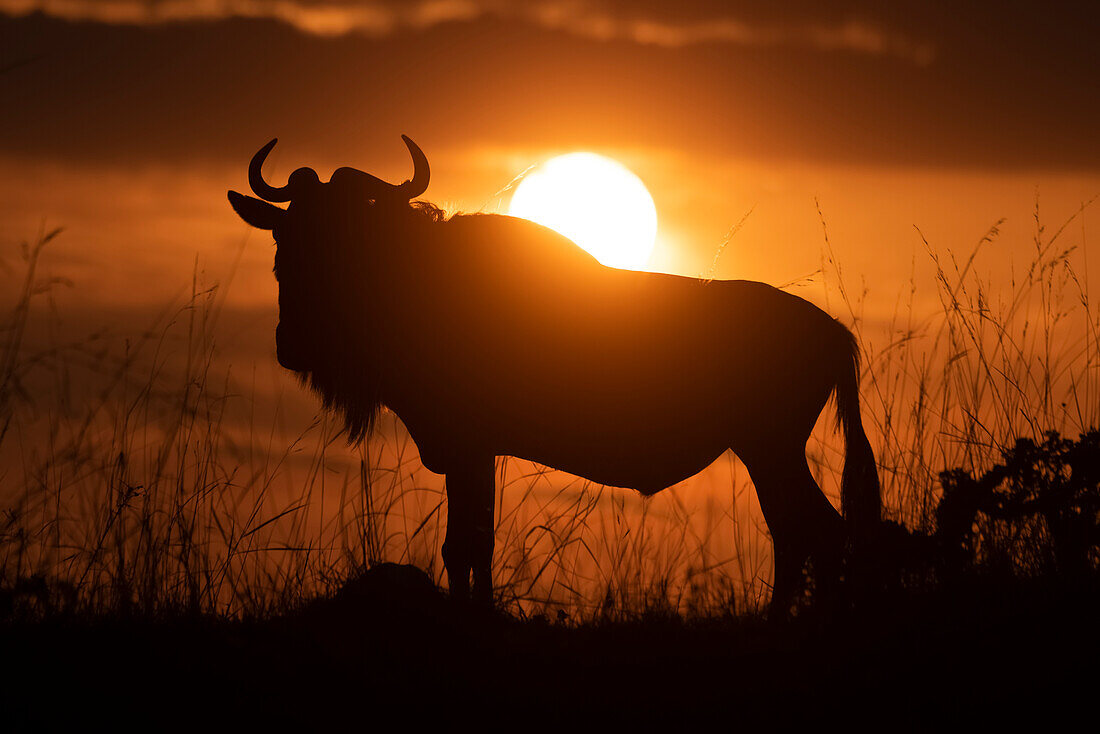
(126, 122)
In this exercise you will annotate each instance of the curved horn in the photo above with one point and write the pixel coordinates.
(262, 188)
(418, 184)
(298, 182)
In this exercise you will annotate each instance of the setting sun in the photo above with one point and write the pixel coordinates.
(594, 201)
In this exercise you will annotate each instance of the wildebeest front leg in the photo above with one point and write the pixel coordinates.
(471, 494)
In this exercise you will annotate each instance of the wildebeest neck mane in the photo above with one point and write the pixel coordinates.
(345, 372)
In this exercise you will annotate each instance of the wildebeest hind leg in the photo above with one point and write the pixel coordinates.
(469, 545)
(802, 521)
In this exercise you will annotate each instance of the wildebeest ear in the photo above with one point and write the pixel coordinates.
(258, 213)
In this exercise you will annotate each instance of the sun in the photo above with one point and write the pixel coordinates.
(596, 202)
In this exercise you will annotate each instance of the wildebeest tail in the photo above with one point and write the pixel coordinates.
(860, 496)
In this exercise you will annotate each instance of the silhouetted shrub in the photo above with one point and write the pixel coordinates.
(1036, 512)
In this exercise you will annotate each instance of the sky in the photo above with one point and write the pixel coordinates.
(896, 128)
(999, 85)
(125, 121)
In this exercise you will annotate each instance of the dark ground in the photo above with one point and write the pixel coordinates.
(389, 650)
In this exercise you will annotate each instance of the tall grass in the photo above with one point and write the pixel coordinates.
(995, 362)
(141, 476)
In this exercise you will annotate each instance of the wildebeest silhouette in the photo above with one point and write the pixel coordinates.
(493, 336)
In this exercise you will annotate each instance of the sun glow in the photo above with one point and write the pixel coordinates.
(594, 201)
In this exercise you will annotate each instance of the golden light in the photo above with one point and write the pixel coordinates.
(594, 201)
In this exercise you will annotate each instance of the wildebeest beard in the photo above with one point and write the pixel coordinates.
(344, 353)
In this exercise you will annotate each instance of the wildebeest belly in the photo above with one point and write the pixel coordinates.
(647, 463)
(648, 466)
(619, 439)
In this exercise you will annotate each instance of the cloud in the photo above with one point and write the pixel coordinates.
(847, 35)
(584, 18)
(321, 18)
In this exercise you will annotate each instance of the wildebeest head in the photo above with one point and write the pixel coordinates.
(322, 239)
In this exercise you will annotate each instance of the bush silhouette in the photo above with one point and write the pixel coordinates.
(1036, 512)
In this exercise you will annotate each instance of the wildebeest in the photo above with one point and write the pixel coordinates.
(493, 336)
